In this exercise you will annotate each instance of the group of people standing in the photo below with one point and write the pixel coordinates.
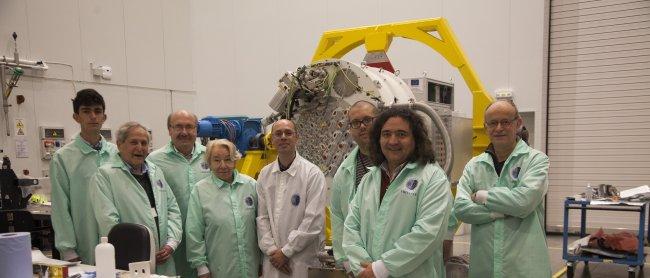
(391, 203)
(390, 220)
(207, 219)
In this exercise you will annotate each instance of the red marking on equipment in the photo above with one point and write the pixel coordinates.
(382, 65)
(379, 60)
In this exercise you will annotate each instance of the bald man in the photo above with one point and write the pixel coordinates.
(501, 194)
(344, 185)
(291, 205)
(182, 163)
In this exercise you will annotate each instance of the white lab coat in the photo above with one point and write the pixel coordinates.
(291, 207)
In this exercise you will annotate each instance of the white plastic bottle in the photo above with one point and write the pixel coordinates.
(105, 259)
(588, 193)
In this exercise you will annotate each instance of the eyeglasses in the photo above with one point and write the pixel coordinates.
(503, 123)
(184, 127)
(286, 133)
(365, 121)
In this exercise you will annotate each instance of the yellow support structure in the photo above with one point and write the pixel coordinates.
(255, 160)
(336, 43)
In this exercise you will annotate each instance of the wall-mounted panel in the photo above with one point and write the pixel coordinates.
(13, 19)
(177, 45)
(150, 108)
(54, 35)
(214, 53)
(184, 100)
(102, 39)
(145, 59)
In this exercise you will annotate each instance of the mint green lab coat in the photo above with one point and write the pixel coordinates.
(117, 197)
(221, 232)
(181, 174)
(514, 246)
(406, 229)
(343, 190)
(71, 169)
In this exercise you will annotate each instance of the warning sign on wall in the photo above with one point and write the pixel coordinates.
(20, 127)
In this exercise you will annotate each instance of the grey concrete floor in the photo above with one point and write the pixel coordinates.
(605, 270)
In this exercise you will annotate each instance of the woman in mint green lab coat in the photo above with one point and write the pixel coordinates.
(220, 227)
(398, 219)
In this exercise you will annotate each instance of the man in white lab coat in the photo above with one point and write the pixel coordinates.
(291, 204)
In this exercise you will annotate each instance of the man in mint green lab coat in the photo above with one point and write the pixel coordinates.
(501, 194)
(182, 163)
(398, 219)
(132, 190)
(71, 168)
(360, 117)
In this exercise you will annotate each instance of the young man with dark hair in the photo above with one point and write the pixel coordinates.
(71, 168)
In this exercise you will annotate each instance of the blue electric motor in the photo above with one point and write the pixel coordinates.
(242, 131)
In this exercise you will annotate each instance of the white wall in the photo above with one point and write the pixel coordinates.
(224, 57)
(146, 42)
(242, 48)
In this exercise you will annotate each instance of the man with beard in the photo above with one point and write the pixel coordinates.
(397, 220)
(349, 174)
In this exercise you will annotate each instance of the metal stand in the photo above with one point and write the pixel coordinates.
(631, 261)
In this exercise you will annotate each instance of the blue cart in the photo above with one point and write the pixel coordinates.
(631, 261)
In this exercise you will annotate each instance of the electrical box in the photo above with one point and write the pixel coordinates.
(52, 139)
(430, 90)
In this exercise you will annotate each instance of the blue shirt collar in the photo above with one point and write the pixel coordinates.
(145, 167)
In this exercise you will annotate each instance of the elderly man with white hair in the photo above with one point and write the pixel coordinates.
(132, 190)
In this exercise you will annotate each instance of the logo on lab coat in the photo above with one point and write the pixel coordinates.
(159, 183)
(295, 200)
(248, 201)
(410, 187)
(205, 167)
(514, 172)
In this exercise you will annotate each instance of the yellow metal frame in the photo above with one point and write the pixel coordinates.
(255, 160)
(336, 43)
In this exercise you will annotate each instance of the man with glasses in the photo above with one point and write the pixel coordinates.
(291, 206)
(182, 163)
(349, 174)
(501, 194)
